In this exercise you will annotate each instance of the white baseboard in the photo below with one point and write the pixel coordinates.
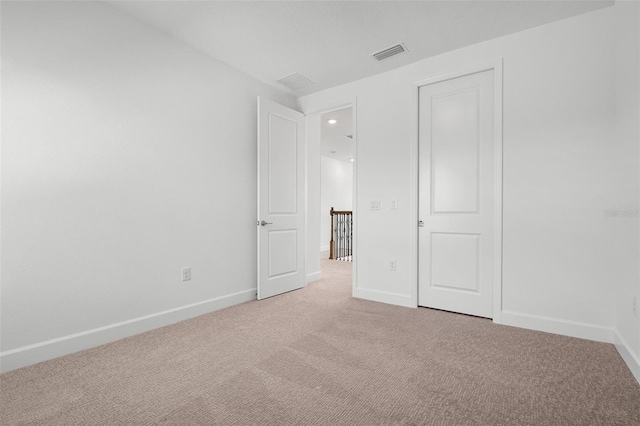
(628, 355)
(314, 276)
(43, 351)
(577, 329)
(385, 297)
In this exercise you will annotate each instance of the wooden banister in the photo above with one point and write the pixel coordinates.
(341, 244)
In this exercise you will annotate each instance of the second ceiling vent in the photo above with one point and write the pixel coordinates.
(295, 81)
(390, 51)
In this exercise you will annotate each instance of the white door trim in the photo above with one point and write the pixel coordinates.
(334, 106)
(496, 66)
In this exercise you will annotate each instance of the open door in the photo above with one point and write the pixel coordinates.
(281, 199)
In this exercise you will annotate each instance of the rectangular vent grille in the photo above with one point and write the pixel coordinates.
(295, 81)
(389, 52)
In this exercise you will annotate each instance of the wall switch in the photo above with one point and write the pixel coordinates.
(394, 204)
(186, 273)
(635, 305)
(375, 204)
(392, 265)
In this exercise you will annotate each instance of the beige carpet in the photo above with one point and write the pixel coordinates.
(319, 357)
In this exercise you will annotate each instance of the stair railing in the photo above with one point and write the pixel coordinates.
(341, 245)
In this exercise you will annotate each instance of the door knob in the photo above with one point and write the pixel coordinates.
(263, 223)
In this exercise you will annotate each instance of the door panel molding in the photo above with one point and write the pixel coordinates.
(453, 161)
(467, 243)
(284, 177)
(497, 67)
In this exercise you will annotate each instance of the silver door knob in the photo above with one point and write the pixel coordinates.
(263, 223)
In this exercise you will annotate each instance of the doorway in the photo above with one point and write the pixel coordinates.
(338, 169)
(337, 157)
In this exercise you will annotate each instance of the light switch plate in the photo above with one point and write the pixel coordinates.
(186, 273)
(394, 204)
(375, 204)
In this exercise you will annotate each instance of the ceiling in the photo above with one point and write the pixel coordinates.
(330, 42)
(334, 140)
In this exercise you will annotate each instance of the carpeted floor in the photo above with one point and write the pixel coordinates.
(316, 356)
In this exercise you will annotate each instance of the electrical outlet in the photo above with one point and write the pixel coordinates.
(186, 273)
(392, 265)
(635, 305)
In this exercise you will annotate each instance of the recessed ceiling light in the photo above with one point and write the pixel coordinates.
(332, 121)
(351, 160)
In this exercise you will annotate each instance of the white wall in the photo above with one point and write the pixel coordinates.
(627, 172)
(312, 261)
(126, 155)
(559, 265)
(336, 191)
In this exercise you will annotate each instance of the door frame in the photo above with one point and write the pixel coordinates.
(496, 67)
(351, 102)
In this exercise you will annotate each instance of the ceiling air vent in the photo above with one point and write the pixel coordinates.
(295, 81)
(390, 51)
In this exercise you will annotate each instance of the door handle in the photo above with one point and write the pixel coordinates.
(264, 223)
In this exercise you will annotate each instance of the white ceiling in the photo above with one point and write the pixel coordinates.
(334, 142)
(330, 42)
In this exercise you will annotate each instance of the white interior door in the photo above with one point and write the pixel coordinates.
(456, 194)
(281, 199)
